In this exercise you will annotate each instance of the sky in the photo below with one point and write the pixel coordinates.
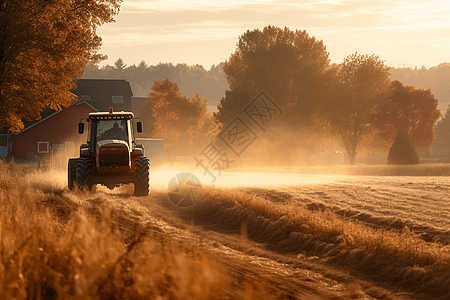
(409, 33)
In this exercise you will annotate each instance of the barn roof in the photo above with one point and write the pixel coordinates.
(99, 93)
(53, 114)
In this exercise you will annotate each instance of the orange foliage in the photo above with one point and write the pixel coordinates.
(409, 111)
(44, 47)
(184, 124)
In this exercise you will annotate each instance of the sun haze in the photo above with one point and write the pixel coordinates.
(406, 33)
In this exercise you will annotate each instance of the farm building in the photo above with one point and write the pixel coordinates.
(105, 93)
(55, 134)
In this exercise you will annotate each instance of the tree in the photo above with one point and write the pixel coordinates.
(434, 78)
(231, 106)
(142, 65)
(290, 66)
(362, 84)
(442, 132)
(210, 84)
(119, 65)
(410, 111)
(185, 124)
(402, 152)
(44, 47)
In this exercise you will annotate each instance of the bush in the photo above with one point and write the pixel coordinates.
(402, 152)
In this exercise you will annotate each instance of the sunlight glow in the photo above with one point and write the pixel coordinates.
(171, 5)
(247, 179)
(388, 28)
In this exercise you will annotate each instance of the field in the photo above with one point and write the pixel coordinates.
(350, 233)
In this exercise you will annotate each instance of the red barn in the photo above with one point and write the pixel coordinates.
(54, 136)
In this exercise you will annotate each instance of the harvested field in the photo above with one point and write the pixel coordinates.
(253, 236)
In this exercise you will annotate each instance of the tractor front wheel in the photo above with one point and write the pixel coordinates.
(142, 177)
(84, 173)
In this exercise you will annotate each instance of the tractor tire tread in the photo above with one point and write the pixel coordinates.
(142, 176)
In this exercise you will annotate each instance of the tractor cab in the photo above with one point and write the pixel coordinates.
(112, 128)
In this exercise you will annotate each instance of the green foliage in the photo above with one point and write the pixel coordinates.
(44, 46)
(402, 152)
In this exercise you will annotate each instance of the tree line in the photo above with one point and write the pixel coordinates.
(45, 45)
(435, 78)
(189, 79)
(359, 100)
(212, 83)
(354, 101)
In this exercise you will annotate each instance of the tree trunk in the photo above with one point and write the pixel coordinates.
(350, 147)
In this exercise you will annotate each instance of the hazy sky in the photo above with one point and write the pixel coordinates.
(410, 32)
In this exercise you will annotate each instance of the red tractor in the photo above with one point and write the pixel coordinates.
(111, 156)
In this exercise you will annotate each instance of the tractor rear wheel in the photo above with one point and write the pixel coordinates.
(142, 177)
(72, 172)
(84, 173)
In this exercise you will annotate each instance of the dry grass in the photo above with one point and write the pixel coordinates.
(54, 245)
(50, 248)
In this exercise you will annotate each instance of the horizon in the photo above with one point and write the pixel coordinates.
(101, 65)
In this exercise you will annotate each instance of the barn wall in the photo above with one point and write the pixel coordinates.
(58, 135)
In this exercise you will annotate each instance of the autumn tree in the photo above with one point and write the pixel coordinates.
(412, 112)
(185, 124)
(434, 78)
(290, 66)
(44, 47)
(362, 84)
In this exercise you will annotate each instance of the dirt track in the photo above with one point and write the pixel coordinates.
(262, 254)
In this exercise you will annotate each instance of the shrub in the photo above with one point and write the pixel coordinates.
(402, 152)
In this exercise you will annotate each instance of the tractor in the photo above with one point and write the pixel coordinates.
(111, 156)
